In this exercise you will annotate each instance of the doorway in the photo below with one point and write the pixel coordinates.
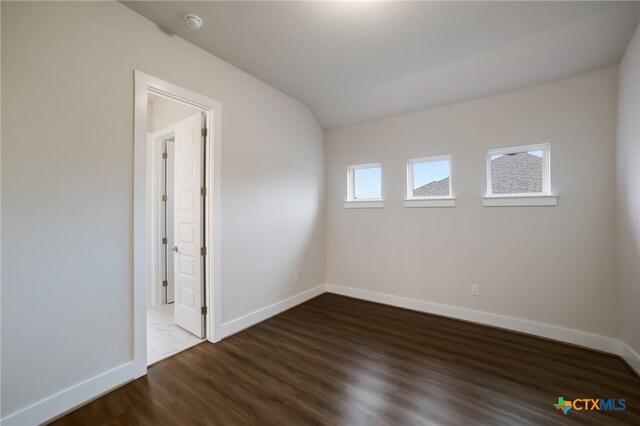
(175, 279)
(179, 246)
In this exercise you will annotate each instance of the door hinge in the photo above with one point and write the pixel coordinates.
(203, 191)
(164, 155)
(203, 310)
(164, 198)
(165, 283)
(204, 132)
(203, 251)
(164, 241)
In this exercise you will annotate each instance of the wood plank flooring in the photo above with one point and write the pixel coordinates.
(341, 361)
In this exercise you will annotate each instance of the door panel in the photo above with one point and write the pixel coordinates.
(188, 266)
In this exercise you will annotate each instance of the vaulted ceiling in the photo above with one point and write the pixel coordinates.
(362, 60)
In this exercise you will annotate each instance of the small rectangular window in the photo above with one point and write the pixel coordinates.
(518, 171)
(364, 182)
(429, 178)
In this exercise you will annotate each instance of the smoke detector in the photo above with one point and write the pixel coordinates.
(193, 21)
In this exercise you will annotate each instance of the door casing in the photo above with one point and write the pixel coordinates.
(145, 84)
(158, 141)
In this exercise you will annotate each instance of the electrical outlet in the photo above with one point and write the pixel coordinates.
(475, 290)
(296, 278)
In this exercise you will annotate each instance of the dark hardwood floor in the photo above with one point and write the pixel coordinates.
(341, 361)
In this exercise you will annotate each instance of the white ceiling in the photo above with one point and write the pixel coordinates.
(357, 61)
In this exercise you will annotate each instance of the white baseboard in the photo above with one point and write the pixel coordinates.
(67, 400)
(62, 402)
(567, 335)
(80, 394)
(253, 318)
(631, 357)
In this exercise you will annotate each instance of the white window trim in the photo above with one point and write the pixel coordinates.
(521, 201)
(411, 200)
(359, 204)
(431, 202)
(546, 170)
(353, 202)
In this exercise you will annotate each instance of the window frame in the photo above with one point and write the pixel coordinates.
(351, 182)
(546, 169)
(410, 164)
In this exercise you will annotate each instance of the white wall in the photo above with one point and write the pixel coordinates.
(628, 193)
(163, 112)
(554, 265)
(67, 141)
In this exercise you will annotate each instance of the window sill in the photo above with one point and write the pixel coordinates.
(432, 202)
(374, 204)
(524, 201)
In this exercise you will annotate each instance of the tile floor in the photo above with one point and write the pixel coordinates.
(164, 337)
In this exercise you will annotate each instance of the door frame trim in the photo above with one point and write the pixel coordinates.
(155, 216)
(145, 84)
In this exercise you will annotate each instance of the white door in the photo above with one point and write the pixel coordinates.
(188, 224)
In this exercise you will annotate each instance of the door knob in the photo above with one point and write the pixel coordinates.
(175, 249)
